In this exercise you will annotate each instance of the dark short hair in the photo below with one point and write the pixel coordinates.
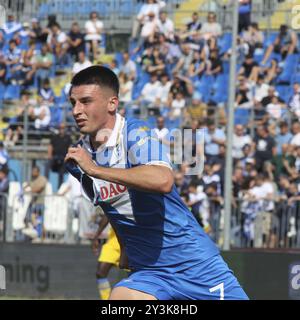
(283, 123)
(98, 75)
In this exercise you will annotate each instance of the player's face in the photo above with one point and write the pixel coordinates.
(93, 107)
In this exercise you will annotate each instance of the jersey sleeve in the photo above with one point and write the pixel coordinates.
(144, 147)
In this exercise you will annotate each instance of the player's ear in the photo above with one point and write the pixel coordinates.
(113, 104)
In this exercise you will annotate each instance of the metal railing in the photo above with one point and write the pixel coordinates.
(3, 212)
(254, 224)
(259, 224)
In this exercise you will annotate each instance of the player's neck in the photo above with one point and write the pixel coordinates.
(102, 136)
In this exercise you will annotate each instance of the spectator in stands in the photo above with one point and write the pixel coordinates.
(143, 15)
(146, 37)
(197, 109)
(211, 28)
(285, 43)
(113, 65)
(199, 204)
(261, 89)
(81, 64)
(43, 64)
(37, 33)
(198, 66)
(210, 176)
(244, 94)
(248, 154)
(264, 146)
(240, 139)
(126, 88)
(178, 105)
(2, 68)
(242, 49)
(183, 65)
(294, 101)
(181, 84)
(27, 72)
(75, 41)
(15, 130)
(57, 41)
(244, 14)
(215, 64)
(34, 217)
(13, 57)
(41, 116)
(165, 26)
(282, 163)
(11, 27)
(57, 149)
(254, 37)
(149, 98)
(158, 63)
(283, 137)
(161, 131)
(94, 30)
(271, 94)
(181, 184)
(238, 180)
(128, 67)
(296, 134)
(276, 110)
(250, 68)
(214, 137)
(165, 86)
(46, 94)
(191, 29)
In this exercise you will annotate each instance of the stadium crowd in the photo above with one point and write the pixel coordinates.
(179, 79)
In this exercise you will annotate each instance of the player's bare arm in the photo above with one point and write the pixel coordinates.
(150, 178)
(102, 225)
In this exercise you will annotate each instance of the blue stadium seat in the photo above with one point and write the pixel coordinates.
(220, 89)
(12, 92)
(43, 11)
(151, 121)
(69, 8)
(2, 91)
(224, 43)
(289, 68)
(241, 116)
(296, 78)
(15, 167)
(119, 58)
(172, 123)
(56, 116)
(126, 8)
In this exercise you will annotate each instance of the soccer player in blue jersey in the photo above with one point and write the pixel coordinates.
(123, 168)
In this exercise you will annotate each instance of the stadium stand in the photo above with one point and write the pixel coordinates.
(266, 159)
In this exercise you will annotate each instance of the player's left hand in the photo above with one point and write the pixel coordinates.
(82, 158)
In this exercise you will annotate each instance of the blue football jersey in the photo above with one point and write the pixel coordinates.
(157, 230)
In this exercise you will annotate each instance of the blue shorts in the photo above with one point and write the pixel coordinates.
(210, 280)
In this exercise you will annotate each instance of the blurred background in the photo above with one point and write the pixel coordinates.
(229, 68)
